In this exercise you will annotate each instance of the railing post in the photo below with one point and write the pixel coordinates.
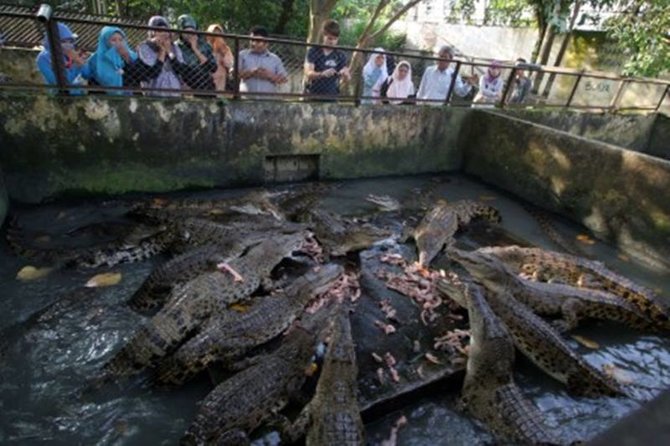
(665, 93)
(452, 83)
(236, 72)
(53, 37)
(508, 87)
(617, 96)
(574, 89)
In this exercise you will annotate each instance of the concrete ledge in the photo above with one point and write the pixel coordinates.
(111, 145)
(621, 195)
(631, 131)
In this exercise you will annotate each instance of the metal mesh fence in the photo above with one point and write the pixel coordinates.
(100, 56)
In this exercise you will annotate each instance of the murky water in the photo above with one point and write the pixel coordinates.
(46, 360)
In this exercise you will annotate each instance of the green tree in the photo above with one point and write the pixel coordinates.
(642, 31)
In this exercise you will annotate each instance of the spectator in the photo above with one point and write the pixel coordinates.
(490, 86)
(374, 75)
(399, 87)
(223, 56)
(260, 70)
(108, 65)
(73, 63)
(197, 54)
(521, 83)
(159, 62)
(437, 79)
(325, 67)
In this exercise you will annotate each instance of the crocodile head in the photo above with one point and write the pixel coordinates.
(315, 282)
(491, 355)
(384, 202)
(485, 268)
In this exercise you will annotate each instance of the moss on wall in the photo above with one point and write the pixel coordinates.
(118, 144)
(621, 195)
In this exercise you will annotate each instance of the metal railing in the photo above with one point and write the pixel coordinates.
(571, 88)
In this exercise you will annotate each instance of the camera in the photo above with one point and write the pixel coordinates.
(44, 13)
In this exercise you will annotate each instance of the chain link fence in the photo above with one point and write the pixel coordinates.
(81, 54)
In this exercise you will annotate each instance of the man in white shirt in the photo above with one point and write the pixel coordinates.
(437, 79)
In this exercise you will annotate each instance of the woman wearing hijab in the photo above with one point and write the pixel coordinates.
(107, 66)
(374, 74)
(223, 56)
(72, 61)
(160, 62)
(197, 54)
(490, 86)
(399, 86)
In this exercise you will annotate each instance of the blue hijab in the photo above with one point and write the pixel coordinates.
(44, 58)
(106, 64)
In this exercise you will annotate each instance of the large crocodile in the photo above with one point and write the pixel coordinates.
(539, 342)
(333, 417)
(575, 270)
(256, 202)
(226, 244)
(571, 303)
(231, 334)
(139, 244)
(438, 226)
(191, 304)
(242, 403)
(489, 391)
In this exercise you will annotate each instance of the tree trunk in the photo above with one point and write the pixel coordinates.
(547, 43)
(542, 29)
(285, 16)
(563, 48)
(319, 11)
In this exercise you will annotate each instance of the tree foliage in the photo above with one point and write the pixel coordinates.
(643, 33)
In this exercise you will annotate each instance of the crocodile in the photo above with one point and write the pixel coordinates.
(231, 334)
(139, 244)
(539, 342)
(338, 236)
(575, 270)
(190, 305)
(385, 203)
(438, 226)
(489, 391)
(254, 203)
(571, 303)
(251, 397)
(226, 244)
(333, 417)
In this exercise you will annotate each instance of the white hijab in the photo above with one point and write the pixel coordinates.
(400, 89)
(371, 65)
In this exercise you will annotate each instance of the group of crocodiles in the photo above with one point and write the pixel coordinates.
(223, 303)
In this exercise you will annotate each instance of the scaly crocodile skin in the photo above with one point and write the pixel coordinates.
(231, 334)
(190, 305)
(489, 391)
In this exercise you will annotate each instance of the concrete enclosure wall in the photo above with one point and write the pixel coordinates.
(112, 145)
(630, 131)
(621, 195)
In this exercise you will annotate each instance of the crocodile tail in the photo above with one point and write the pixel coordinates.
(590, 382)
(18, 245)
(543, 220)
